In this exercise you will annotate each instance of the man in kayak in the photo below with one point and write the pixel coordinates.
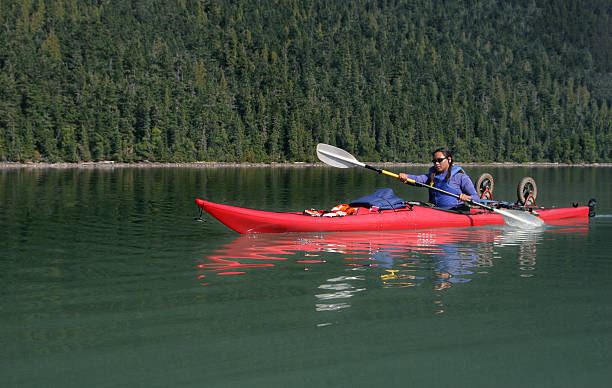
(448, 177)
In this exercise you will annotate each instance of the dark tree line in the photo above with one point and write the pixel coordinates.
(388, 80)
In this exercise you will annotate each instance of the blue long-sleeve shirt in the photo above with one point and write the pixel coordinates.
(459, 181)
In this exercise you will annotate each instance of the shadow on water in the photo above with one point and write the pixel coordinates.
(437, 259)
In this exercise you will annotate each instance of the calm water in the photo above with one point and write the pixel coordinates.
(107, 280)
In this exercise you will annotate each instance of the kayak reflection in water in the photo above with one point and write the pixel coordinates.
(445, 175)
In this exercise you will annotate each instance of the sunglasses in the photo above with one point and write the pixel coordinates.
(437, 160)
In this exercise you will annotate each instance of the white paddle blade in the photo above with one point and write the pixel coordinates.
(336, 157)
(520, 219)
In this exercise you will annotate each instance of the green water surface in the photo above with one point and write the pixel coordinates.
(107, 280)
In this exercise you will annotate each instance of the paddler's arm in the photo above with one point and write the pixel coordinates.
(418, 178)
(468, 191)
(465, 198)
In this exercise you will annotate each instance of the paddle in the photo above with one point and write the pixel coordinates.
(337, 157)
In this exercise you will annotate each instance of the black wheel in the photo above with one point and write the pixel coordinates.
(527, 190)
(484, 185)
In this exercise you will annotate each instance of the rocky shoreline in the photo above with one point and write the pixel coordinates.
(112, 164)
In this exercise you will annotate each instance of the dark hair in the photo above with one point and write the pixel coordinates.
(447, 154)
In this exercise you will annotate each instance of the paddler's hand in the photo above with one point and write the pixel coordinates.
(464, 197)
(403, 177)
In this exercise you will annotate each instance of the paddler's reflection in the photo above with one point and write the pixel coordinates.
(445, 259)
(449, 265)
(454, 265)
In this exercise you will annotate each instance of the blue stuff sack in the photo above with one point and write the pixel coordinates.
(382, 199)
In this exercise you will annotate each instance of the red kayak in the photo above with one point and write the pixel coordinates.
(243, 220)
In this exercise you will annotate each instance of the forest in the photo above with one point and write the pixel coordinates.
(266, 80)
